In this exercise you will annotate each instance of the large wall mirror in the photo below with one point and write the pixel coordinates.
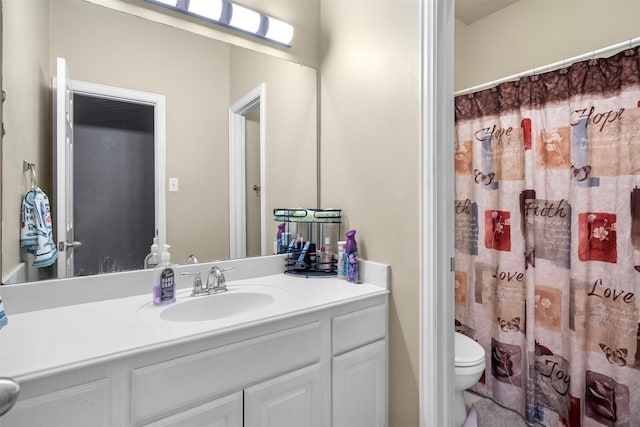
(199, 77)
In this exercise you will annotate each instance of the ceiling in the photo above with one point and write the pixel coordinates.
(470, 11)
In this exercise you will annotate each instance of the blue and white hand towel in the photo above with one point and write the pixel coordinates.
(3, 317)
(36, 231)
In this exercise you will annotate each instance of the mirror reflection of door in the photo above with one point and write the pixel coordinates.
(252, 171)
(240, 183)
(109, 173)
(113, 191)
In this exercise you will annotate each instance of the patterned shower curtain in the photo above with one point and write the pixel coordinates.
(547, 238)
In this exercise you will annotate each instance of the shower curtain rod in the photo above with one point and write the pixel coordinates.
(628, 44)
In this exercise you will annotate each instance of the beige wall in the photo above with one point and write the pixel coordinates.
(460, 56)
(369, 159)
(534, 33)
(291, 130)
(25, 112)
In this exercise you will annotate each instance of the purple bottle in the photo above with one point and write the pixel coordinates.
(279, 242)
(351, 255)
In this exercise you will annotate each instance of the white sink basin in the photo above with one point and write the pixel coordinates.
(210, 307)
(236, 301)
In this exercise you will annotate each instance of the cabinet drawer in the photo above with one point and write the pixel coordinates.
(163, 388)
(361, 327)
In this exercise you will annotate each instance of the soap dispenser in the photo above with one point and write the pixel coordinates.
(164, 291)
(153, 258)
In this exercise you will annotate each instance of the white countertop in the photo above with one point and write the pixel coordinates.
(46, 341)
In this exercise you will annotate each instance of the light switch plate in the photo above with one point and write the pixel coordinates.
(173, 184)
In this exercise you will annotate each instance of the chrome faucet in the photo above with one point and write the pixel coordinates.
(216, 280)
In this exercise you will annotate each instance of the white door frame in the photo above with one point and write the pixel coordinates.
(436, 214)
(62, 167)
(237, 177)
(159, 131)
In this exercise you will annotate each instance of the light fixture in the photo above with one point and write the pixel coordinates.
(232, 15)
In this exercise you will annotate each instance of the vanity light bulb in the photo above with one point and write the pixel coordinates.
(279, 31)
(244, 19)
(210, 9)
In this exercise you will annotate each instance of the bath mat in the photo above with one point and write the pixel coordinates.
(490, 414)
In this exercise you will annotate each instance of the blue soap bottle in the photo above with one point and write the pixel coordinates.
(351, 256)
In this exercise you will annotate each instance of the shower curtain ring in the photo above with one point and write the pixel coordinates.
(534, 77)
(631, 51)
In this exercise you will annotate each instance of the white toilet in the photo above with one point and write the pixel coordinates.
(469, 366)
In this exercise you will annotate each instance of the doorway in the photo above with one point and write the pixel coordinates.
(113, 191)
(239, 112)
(253, 192)
(120, 178)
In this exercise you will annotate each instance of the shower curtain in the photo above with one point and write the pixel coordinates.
(547, 240)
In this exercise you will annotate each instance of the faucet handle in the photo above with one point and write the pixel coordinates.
(190, 273)
(198, 289)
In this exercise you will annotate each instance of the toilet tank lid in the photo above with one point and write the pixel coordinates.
(467, 351)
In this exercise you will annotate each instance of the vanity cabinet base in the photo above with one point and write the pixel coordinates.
(310, 370)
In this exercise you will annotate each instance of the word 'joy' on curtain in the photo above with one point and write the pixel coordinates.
(547, 238)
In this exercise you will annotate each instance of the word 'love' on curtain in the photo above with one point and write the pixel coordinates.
(547, 238)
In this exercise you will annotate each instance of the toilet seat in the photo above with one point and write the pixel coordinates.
(467, 351)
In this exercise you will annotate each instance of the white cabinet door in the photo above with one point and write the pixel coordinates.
(223, 412)
(291, 400)
(360, 387)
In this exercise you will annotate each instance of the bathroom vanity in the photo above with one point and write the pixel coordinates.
(274, 350)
